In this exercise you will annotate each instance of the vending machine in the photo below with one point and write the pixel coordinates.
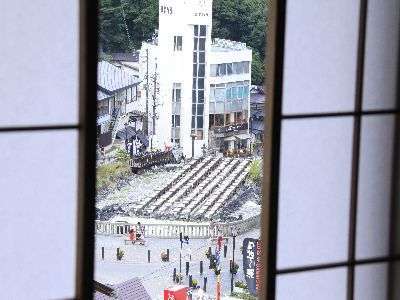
(178, 292)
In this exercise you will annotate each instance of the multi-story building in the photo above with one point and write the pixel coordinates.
(203, 84)
(117, 100)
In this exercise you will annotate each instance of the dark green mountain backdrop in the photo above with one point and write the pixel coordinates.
(238, 20)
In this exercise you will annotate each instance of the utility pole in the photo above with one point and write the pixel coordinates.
(234, 234)
(183, 239)
(146, 127)
(218, 268)
(154, 99)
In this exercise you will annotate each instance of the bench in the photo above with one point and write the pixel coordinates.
(135, 242)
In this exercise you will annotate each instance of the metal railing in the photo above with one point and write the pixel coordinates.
(172, 229)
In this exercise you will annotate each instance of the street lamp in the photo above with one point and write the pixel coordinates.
(183, 239)
(126, 137)
(193, 136)
(204, 148)
(234, 234)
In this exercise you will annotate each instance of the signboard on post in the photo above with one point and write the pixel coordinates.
(251, 264)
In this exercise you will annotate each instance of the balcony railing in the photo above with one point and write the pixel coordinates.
(230, 129)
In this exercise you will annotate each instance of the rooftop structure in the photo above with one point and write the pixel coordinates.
(131, 289)
(227, 45)
(111, 78)
(117, 98)
(125, 57)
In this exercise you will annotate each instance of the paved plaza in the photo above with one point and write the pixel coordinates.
(157, 275)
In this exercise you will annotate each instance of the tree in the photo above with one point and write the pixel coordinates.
(124, 24)
(244, 21)
(118, 18)
(257, 69)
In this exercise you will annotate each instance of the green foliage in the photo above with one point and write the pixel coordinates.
(122, 156)
(255, 172)
(194, 282)
(238, 20)
(120, 254)
(108, 174)
(241, 284)
(243, 296)
(244, 21)
(257, 69)
(141, 19)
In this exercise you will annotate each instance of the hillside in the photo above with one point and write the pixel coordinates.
(124, 24)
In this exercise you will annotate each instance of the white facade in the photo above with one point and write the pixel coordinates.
(184, 53)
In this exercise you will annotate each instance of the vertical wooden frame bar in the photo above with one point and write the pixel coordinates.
(362, 30)
(394, 240)
(273, 87)
(88, 41)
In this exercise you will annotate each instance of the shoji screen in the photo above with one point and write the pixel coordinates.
(39, 148)
(339, 88)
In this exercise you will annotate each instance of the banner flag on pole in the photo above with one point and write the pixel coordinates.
(251, 263)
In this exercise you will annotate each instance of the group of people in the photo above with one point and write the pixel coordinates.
(137, 234)
(134, 146)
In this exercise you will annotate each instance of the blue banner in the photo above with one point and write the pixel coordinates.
(250, 263)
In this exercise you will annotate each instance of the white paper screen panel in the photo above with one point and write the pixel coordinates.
(371, 282)
(374, 191)
(314, 191)
(381, 54)
(320, 56)
(314, 285)
(38, 214)
(39, 63)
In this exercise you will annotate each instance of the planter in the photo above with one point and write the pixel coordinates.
(239, 290)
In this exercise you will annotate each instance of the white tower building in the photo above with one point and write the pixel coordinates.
(203, 84)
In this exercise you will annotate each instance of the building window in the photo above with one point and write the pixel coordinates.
(234, 92)
(177, 92)
(246, 67)
(202, 44)
(212, 93)
(199, 58)
(130, 94)
(200, 109)
(228, 94)
(240, 92)
(219, 120)
(203, 30)
(221, 70)
(220, 93)
(229, 70)
(213, 70)
(217, 70)
(178, 43)
(237, 68)
(201, 71)
(176, 120)
(200, 83)
(200, 122)
(200, 98)
(103, 108)
(202, 57)
(229, 91)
